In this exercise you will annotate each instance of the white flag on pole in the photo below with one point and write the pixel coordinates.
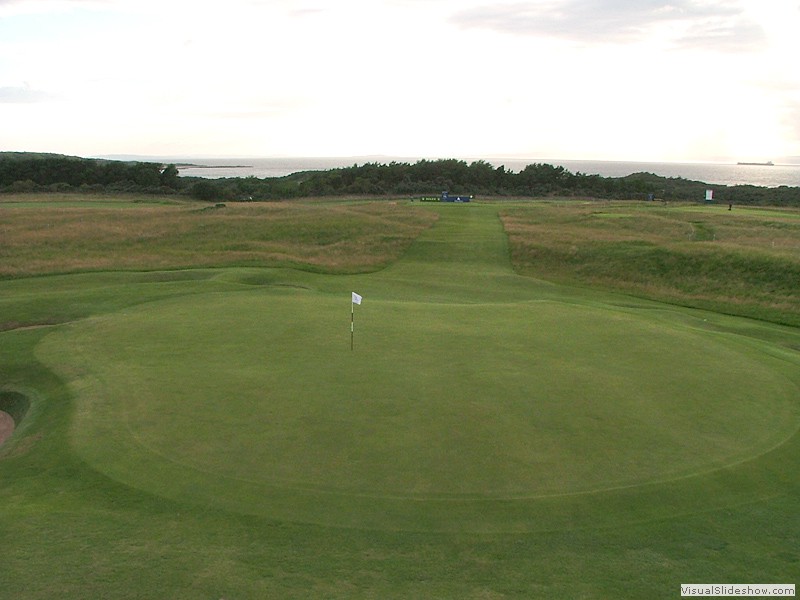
(356, 299)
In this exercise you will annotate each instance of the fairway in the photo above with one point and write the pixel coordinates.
(474, 399)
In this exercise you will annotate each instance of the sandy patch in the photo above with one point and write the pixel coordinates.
(6, 426)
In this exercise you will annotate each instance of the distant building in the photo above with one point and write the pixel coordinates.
(446, 197)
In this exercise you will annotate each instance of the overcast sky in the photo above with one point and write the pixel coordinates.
(686, 80)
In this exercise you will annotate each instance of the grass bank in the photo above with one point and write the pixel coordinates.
(743, 262)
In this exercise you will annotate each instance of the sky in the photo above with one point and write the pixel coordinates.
(633, 80)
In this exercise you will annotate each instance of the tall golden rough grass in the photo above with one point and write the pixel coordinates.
(329, 237)
(742, 261)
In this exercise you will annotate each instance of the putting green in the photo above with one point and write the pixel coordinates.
(469, 414)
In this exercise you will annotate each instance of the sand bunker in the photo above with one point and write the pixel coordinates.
(6, 426)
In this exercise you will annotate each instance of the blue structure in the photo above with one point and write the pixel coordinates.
(446, 197)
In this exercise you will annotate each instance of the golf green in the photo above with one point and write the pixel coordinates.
(479, 401)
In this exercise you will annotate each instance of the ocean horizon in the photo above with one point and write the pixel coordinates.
(712, 173)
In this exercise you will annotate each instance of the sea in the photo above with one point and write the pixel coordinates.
(712, 173)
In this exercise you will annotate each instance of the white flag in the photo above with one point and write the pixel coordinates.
(356, 298)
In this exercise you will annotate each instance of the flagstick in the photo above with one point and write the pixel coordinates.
(354, 299)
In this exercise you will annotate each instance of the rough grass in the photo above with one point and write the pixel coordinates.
(741, 262)
(48, 237)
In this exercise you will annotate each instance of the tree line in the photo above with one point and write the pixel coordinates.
(480, 178)
(32, 172)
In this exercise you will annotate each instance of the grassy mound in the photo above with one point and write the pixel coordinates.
(743, 262)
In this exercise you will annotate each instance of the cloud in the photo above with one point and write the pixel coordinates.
(692, 22)
(22, 95)
(306, 12)
(736, 35)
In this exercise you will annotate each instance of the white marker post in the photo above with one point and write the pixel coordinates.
(354, 299)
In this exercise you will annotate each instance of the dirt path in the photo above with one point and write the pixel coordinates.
(6, 426)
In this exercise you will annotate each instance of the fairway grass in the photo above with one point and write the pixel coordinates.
(210, 433)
